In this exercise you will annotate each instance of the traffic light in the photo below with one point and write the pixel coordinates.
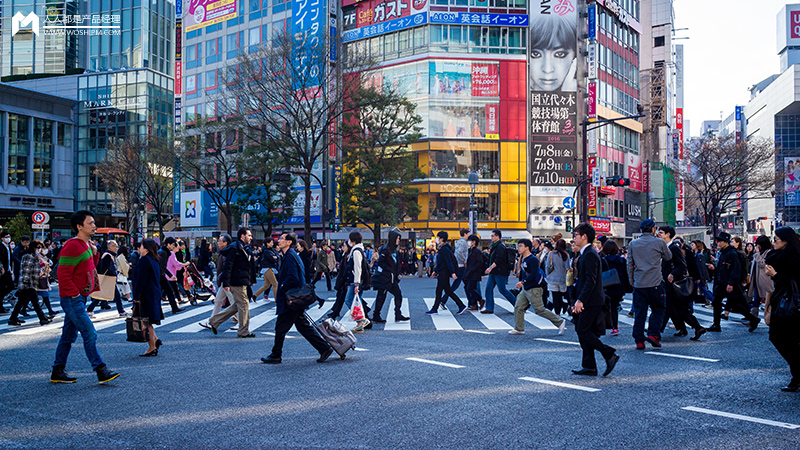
(617, 181)
(568, 224)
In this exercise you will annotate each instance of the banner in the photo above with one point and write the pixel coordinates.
(679, 205)
(485, 80)
(203, 13)
(178, 78)
(553, 87)
(178, 40)
(371, 12)
(591, 101)
(679, 127)
(491, 122)
(308, 31)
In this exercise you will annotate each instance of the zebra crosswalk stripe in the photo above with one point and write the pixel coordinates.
(445, 319)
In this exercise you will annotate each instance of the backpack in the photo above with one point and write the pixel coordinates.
(366, 272)
(511, 256)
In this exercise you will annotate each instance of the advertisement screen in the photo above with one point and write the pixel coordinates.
(370, 12)
(450, 79)
(203, 13)
(553, 85)
(791, 180)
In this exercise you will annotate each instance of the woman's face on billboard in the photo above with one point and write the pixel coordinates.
(550, 68)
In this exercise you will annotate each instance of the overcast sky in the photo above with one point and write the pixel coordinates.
(731, 47)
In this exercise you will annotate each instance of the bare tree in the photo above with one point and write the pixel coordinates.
(719, 169)
(122, 183)
(210, 157)
(292, 100)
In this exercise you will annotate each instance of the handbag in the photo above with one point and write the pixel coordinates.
(302, 297)
(684, 287)
(611, 278)
(107, 285)
(137, 328)
(787, 304)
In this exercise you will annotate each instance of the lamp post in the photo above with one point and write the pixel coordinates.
(474, 180)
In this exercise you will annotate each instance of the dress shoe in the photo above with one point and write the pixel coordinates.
(714, 329)
(681, 333)
(325, 355)
(104, 375)
(587, 372)
(378, 320)
(401, 318)
(271, 360)
(213, 328)
(697, 333)
(481, 303)
(610, 363)
(45, 321)
(754, 325)
(368, 326)
(150, 353)
(473, 308)
(15, 322)
(176, 311)
(655, 341)
(60, 376)
(251, 335)
(791, 387)
(158, 343)
(487, 311)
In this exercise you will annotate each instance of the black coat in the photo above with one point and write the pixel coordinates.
(786, 263)
(621, 265)
(728, 270)
(305, 256)
(446, 262)
(290, 276)
(5, 258)
(675, 266)
(147, 288)
(475, 266)
(498, 257)
(240, 269)
(589, 286)
(388, 272)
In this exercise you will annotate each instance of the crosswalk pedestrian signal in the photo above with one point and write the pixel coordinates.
(618, 181)
(568, 224)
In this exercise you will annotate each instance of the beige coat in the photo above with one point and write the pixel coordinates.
(758, 276)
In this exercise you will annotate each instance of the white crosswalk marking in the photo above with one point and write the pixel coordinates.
(530, 317)
(259, 320)
(444, 320)
(398, 326)
(491, 321)
(180, 316)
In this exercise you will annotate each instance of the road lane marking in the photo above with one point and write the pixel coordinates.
(741, 417)
(444, 320)
(479, 331)
(437, 363)
(399, 326)
(559, 384)
(695, 358)
(558, 342)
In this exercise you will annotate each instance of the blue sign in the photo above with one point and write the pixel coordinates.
(178, 9)
(557, 220)
(568, 203)
(463, 18)
(333, 40)
(391, 26)
(308, 30)
(592, 11)
(738, 113)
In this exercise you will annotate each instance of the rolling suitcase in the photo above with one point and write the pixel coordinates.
(340, 338)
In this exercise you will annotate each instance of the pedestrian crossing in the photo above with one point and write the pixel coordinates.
(263, 315)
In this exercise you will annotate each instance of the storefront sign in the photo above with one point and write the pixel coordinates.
(600, 225)
(634, 163)
(385, 27)
(178, 39)
(178, 78)
(491, 122)
(371, 12)
(679, 211)
(485, 80)
(467, 18)
(591, 101)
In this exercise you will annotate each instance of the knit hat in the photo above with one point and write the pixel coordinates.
(647, 225)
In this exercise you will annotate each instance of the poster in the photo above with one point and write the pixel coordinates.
(202, 13)
(370, 12)
(485, 80)
(553, 116)
(791, 180)
(450, 79)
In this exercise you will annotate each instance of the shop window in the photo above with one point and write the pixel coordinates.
(448, 206)
(460, 163)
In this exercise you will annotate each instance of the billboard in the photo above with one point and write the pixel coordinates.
(679, 203)
(791, 181)
(788, 27)
(553, 86)
(308, 31)
(679, 129)
(202, 13)
(371, 12)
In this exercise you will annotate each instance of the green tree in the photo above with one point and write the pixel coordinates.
(18, 227)
(378, 164)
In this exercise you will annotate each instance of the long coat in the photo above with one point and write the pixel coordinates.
(147, 288)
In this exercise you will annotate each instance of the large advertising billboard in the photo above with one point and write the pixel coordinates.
(553, 115)
(202, 13)
(791, 181)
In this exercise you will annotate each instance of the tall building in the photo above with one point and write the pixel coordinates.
(122, 76)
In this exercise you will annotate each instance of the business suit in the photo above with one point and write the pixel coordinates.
(589, 288)
(445, 268)
(6, 282)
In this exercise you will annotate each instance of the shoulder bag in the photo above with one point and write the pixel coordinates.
(684, 288)
(787, 304)
(136, 327)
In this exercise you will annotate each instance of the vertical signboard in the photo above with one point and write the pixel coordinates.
(592, 200)
(553, 86)
(791, 181)
(679, 205)
(679, 129)
(591, 101)
(178, 78)
(738, 123)
(308, 30)
(492, 131)
(592, 21)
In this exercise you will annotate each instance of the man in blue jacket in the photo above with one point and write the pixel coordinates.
(531, 287)
(445, 269)
(498, 272)
(290, 276)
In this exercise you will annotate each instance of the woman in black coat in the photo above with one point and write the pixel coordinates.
(147, 291)
(783, 265)
(614, 293)
(473, 272)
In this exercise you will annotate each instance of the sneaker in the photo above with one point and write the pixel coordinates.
(614, 332)
(515, 331)
(640, 346)
(401, 318)
(124, 314)
(487, 311)
(433, 311)
(473, 308)
(655, 341)
(562, 327)
(461, 310)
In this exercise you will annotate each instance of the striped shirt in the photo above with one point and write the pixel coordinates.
(76, 269)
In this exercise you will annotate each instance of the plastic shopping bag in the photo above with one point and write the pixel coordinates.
(357, 310)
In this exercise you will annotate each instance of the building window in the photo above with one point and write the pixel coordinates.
(658, 41)
(18, 149)
(42, 152)
(213, 50)
(64, 135)
(235, 44)
(194, 53)
(455, 206)
(459, 163)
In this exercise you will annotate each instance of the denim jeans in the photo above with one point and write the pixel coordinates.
(499, 281)
(76, 320)
(654, 298)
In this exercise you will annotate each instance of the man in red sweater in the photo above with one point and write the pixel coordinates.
(77, 278)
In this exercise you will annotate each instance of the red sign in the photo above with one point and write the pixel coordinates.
(178, 78)
(679, 211)
(679, 126)
(485, 80)
(635, 171)
(491, 122)
(600, 226)
(370, 12)
(591, 101)
(794, 25)
(730, 225)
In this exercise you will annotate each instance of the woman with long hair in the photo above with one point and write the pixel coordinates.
(305, 256)
(761, 285)
(341, 283)
(147, 292)
(702, 259)
(614, 294)
(783, 265)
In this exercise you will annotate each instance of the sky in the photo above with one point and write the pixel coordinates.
(731, 46)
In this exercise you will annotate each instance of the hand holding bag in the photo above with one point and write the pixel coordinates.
(684, 288)
(301, 297)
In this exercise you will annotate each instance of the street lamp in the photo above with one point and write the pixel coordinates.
(474, 180)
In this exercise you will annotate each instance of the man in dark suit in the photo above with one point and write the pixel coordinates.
(589, 304)
(446, 266)
(290, 276)
(6, 282)
(676, 269)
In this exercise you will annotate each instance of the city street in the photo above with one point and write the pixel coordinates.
(439, 381)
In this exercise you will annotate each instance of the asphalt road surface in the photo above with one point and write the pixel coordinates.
(436, 382)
